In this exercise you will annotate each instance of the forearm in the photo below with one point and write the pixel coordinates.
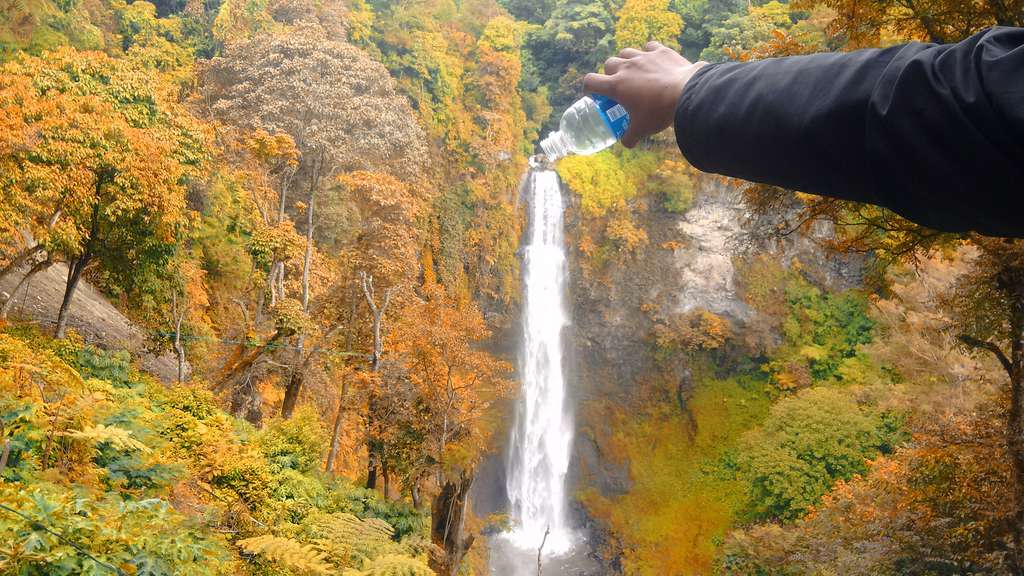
(933, 132)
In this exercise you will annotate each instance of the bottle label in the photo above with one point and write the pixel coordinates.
(613, 114)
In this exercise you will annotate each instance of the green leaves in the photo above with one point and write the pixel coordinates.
(808, 442)
(821, 332)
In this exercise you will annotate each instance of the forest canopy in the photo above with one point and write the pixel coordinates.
(305, 217)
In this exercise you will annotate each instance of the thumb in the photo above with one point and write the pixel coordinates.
(599, 84)
(631, 137)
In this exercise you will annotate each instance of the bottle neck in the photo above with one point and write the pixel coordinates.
(555, 146)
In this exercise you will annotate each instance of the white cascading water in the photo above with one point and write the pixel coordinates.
(542, 436)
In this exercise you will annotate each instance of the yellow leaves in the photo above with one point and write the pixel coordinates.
(28, 369)
(643, 20)
(502, 34)
(288, 553)
(111, 154)
(278, 242)
(290, 318)
(119, 438)
(238, 20)
(388, 237)
(624, 233)
(360, 21)
(792, 376)
(438, 338)
(393, 565)
(271, 148)
(697, 330)
(600, 180)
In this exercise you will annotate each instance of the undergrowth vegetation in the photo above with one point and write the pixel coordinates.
(105, 470)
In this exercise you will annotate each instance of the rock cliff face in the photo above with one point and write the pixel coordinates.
(688, 264)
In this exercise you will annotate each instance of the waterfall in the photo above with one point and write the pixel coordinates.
(542, 435)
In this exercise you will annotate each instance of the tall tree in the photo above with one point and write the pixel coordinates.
(338, 106)
(383, 256)
(988, 308)
(865, 22)
(457, 383)
(111, 168)
(641, 21)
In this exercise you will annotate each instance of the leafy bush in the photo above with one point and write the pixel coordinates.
(99, 460)
(807, 443)
(820, 331)
(600, 180)
(135, 536)
(295, 444)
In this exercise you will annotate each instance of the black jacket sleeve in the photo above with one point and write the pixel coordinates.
(933, 132)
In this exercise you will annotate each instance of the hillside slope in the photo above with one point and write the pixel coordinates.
(91, 315)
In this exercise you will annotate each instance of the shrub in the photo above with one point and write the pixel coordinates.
(807, 443)
(296, 443)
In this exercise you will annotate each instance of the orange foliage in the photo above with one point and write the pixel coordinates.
(438, 338)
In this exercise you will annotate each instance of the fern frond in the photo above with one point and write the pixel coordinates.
(354, 542)
(119, 438)
(397, 565)
(288, 553)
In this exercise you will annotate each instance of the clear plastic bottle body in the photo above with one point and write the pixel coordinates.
(586, 127)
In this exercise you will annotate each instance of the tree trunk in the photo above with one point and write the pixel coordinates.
(339, 419)
(275, 267)
(447, 517)
(1010, 281)
(21, 258)
(374, 446)
(298, 376)
(75, 268)
(179, 316)
(261, 298)
(180, 351)
(77, 265)
(1015, 441)
(35, 269)
(371, 466)
(291, 393)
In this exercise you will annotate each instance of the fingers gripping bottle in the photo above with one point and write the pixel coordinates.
(590, 125)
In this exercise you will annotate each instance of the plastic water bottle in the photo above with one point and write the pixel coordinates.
(590, 125)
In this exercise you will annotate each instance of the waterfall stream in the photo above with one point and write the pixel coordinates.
(541, 439)
(542, 436)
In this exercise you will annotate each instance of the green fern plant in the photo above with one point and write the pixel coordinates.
(288, 553)
(350, 541)
(393, 565)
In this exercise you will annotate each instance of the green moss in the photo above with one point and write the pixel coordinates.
(686, 487)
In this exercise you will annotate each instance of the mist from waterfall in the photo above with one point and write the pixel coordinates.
(542, 436)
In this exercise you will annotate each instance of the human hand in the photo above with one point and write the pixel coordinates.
(647, 83)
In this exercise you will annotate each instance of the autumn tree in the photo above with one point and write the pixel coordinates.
(457, 383)
(384, 259)
(988, 311)
(864, 23)
(112, 166)
(935, 506)
(175, 301)
(987, 304)
(340, 109)
(641, 21)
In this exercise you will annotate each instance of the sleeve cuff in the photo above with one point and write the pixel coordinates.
(687, 102)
